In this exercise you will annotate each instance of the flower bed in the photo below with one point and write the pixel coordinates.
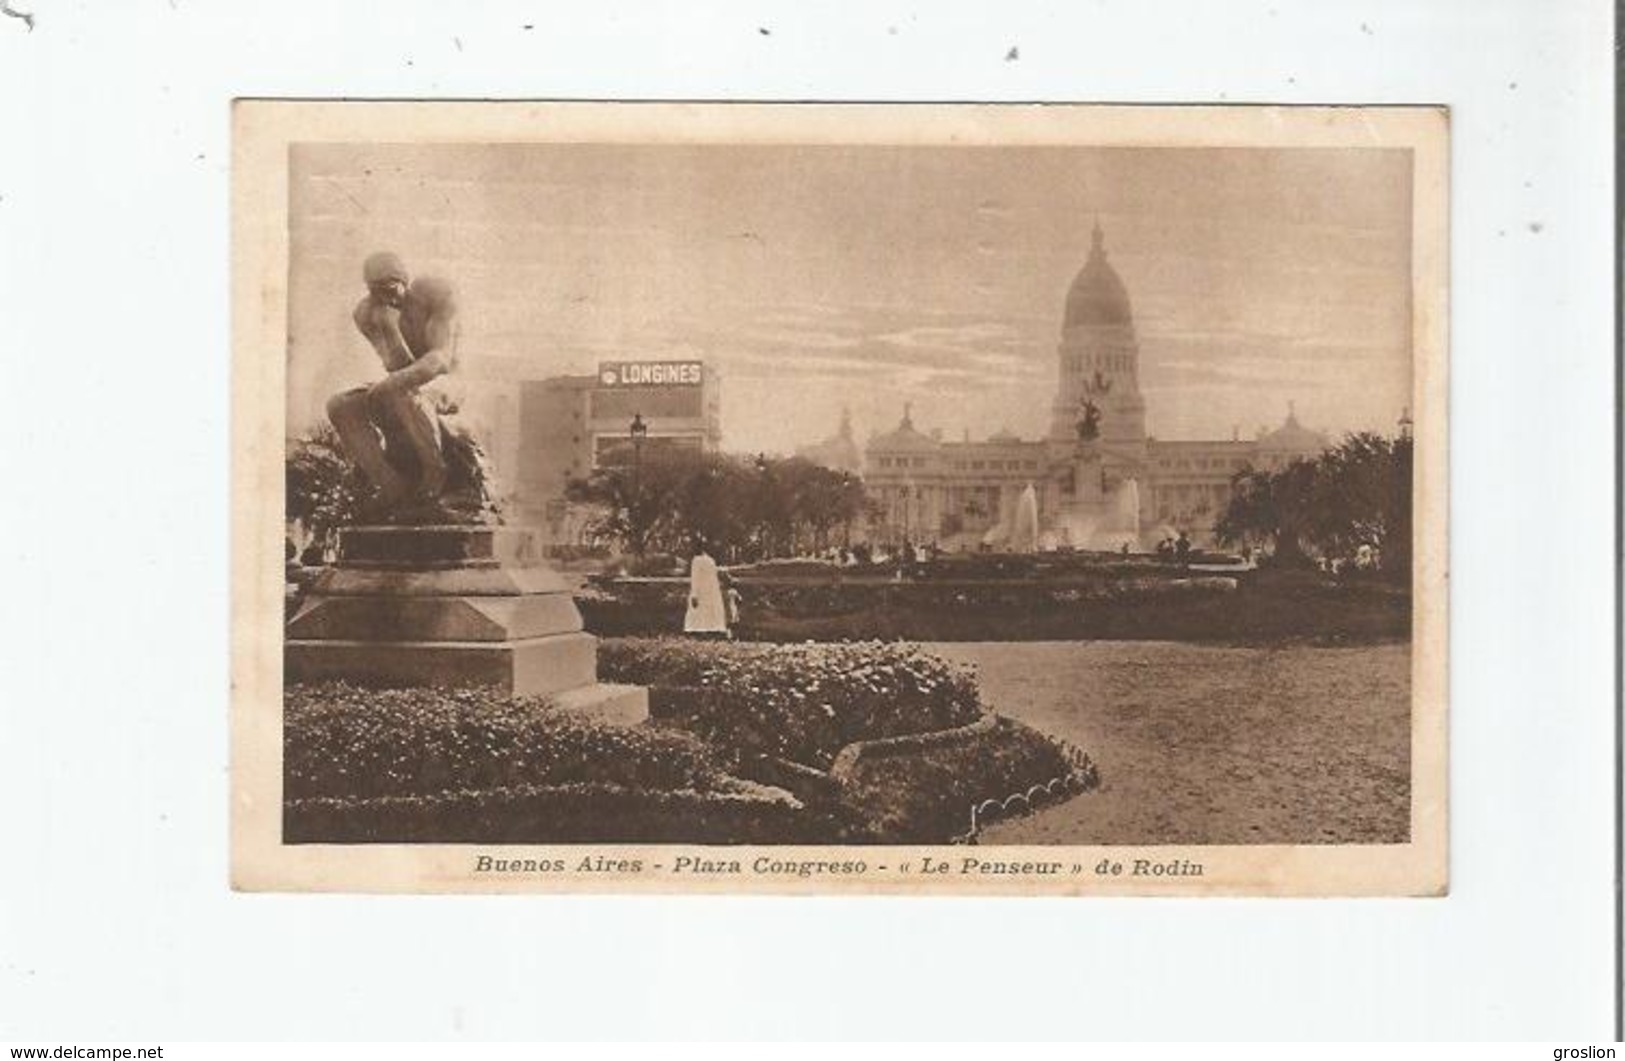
(802, 703)
(344, 741)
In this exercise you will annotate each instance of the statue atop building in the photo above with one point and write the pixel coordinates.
(1089, 422)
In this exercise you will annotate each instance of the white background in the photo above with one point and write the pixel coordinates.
(116, 919)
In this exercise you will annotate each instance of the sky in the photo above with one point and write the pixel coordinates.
(814, 278)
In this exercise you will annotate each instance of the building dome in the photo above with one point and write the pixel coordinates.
(1293, 439)
(905, 438)
(1097, 296)
(838, 452)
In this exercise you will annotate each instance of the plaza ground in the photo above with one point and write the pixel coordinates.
(1212, 745)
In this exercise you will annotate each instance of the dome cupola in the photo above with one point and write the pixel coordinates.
(906, 437)
(1292, 438)
(1097, 296)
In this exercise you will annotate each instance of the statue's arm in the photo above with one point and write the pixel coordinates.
(381, 326)
(437, 358)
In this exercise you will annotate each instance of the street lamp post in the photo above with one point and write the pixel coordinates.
(764, 485)
(846, 513)
(638, 431)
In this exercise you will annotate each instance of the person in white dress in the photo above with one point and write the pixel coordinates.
(707, 612)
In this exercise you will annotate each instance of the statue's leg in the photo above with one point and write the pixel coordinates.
(349, 414)
(418, 427)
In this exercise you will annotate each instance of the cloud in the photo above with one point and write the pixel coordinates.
(839, 345)
(873, 277)
(970, 336)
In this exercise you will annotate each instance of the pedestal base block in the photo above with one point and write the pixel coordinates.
(452, 606)
(450, 618)
(534, 667)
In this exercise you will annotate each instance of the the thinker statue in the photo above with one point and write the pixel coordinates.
(404, 430)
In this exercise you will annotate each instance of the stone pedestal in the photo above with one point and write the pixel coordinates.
(1087, 491)
(452, 606)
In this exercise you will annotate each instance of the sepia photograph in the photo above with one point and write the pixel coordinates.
(883, 498)
(763, 521)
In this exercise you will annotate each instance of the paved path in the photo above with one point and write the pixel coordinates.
(1201, 744)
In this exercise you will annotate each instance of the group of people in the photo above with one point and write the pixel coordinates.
(1366, 558)
(862, 554)
(1175, 549)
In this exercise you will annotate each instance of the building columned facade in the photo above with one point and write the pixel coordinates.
(1098, 480)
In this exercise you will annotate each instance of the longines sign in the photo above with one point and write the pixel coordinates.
(650, 373)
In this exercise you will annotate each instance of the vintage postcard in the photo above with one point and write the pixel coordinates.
(856, 499)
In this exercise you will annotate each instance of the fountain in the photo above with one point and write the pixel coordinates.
(1024, 529)
(1104, 525)
(1101, 525)
(1122, 523)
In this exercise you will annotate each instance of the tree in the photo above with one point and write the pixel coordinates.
(684, 501)
(711, 510)
(1356, 493)
(1363, 497)
(324, 487)
(810, 501)
(1270, 506)
(637, 506)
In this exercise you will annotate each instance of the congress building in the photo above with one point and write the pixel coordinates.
(1095, 481)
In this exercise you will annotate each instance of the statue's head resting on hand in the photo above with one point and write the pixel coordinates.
(386, 277)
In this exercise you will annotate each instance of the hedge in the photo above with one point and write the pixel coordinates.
(926, 795)
(584, 813)
(479, 766)
(802, 703)
(343, 741)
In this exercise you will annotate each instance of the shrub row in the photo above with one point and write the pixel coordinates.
(926, 796)
(1266, 607)
(802, 703)
(628, 608)
(582, 813)
(343, 741)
